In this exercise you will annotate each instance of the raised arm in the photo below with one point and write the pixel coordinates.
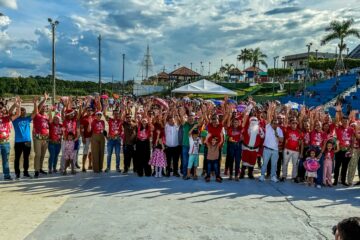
(36, 110)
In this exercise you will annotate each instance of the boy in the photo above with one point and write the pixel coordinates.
(194, 143)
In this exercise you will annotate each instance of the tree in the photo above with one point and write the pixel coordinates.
(245, 56)
(340, 30)
(226, 68)
(257, 57)
(281, 74)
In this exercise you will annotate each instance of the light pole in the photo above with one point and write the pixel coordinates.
(308, 70)
(316, 54)
(53, 25)
(273, 90)
(99, 38)
(209, 69)
(123, 76)
(191, 65)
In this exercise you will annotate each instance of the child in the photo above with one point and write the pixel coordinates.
(329, 154)
(69, 153)
(194, 143)
(212, 159)
(311, 165)
(158, 160)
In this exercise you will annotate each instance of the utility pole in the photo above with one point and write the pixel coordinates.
(99, 38)
(191, 65)
(53, 25)
(308, 70)
(209, 69)
(123, 76)
(273, 87)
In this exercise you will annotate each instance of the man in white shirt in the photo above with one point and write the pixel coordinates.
(273, 134)
(172, 148)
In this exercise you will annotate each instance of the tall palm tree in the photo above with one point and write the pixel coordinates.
(257, 57)
(340, 30)
(226, 68)
(244, 56)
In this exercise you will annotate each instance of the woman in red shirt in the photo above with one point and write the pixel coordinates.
(143, 148)
(233, 148)
(55, 137)
(97, 126)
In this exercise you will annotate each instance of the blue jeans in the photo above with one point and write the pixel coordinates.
(5, 151)
(54, 150)
(213, 165)
(267, 155)
(111, 144)
(184, 160)
(233, 153)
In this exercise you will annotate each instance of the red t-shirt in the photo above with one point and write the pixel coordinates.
(344, 135)
(292, 139)
(215, 131)
(70, 125)
(56, 132)
(143, 134)
(41, 124)
(115, 127)
(84, 122)
(317, 138)
(98, 126)
(5, 128)
(234, 133)
(306, 138)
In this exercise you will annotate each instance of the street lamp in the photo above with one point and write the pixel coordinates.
(273, 90)
(308, 69)
(53, 25)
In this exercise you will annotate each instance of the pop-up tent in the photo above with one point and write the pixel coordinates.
(204, 86)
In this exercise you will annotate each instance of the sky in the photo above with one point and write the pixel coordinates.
(179, 32)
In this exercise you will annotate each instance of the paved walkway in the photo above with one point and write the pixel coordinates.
(113, 206)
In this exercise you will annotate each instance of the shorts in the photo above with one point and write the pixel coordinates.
(86, 146)
(193, 161)
(311, 174)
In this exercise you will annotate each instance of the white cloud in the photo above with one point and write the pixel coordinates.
(8, 3)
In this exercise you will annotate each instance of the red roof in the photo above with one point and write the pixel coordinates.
(253, 69)
(163, 75)
(235, 71)
(184, 71)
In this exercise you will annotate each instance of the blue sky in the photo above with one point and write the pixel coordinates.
(178, 32)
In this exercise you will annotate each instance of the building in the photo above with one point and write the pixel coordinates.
(298, 62)
(183, 74)
(355, 53)
(235, 75)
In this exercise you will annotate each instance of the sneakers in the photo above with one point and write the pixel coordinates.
(118, 170)
(274, 179)
(8, 178)
(282, 179)
(36, 174)
(318, 186)
(176, 174)
(261, 178)
(17, 177)
(43, 172)
(107, 170)
(27, 175)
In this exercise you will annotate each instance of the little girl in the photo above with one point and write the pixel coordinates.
(329, 154)
(158, 160)
(69, 146)
(311, 165)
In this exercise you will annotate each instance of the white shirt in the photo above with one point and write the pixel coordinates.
(194, 145)
(270, 139)
(171, 135)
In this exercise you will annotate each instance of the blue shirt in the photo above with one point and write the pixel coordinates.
(22, 129)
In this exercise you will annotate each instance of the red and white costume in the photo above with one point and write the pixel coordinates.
(253, 137)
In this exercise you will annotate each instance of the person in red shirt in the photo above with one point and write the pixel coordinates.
(113, 139)
(344, 134)
(97, 126)
(293, 141)
(40, 134)
(234, 132)
(215, 129)
(86, 137)
(55, 139)
(143, 148)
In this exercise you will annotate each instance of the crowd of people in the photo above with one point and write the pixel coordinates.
(164, 137)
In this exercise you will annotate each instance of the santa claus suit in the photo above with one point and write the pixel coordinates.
(253, 136)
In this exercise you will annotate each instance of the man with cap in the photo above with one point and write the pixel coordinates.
(97, 126)
(130, 132)
(86, 136)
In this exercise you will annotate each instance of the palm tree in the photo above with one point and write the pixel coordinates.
(226, 68)
(257, 57)
(340, 30)
(244, 56)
